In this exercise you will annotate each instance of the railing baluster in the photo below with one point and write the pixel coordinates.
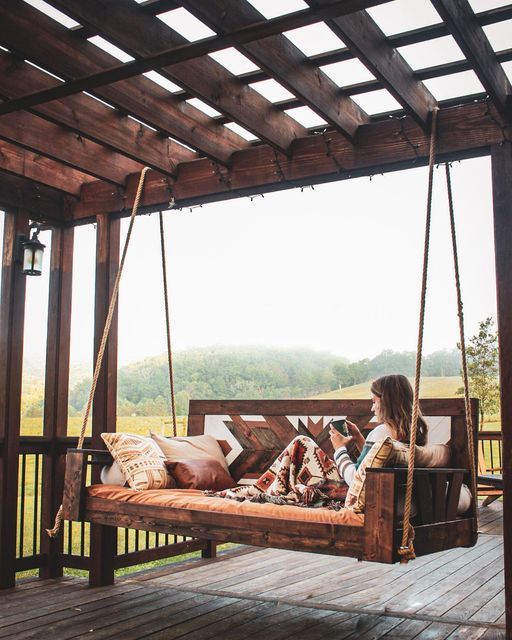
(36, 514)
(22, 504)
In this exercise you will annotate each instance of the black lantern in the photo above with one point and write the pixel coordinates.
(33, 253)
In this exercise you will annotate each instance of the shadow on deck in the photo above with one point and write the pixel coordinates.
(269, 595)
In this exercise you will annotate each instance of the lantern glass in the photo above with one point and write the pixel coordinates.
(33, 258)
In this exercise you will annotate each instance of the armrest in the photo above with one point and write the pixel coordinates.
(77, 461)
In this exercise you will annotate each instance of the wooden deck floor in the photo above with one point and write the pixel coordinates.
(269, 595)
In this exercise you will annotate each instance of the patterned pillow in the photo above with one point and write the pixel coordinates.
(203, 447)
(379, 456)
(140, 459)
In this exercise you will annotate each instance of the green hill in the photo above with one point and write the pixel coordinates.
(431, 387)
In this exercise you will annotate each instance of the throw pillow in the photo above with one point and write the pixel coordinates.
(379, 456)
(432, 455)
(200, 474)
(190, 448)
(140, 459)
(112, 474)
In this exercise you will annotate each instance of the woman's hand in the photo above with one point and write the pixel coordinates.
(338, 440)
(356, 435)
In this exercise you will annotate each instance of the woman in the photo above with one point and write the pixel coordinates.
(392, 398)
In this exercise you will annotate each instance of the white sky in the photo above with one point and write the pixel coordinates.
(336, 268)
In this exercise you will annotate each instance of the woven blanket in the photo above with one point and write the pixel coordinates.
(302, 475)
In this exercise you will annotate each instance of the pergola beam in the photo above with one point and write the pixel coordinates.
(367, 41)
(64, 53)
(43, 203)
(284, 62)
(143, 36)
(464, 131)
(469, 35)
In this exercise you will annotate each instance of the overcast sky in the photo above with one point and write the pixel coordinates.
(336, 268)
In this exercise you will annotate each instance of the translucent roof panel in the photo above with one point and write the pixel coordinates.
(247, 135)
(454, 85)
(272, 90)
(404, 15)
(272, 9)
(374, 102)
(51, 12)
(163, 82)
(234, 61)
(306, 117)
(205, 108)
(486, 5)
(314, 38)
(111, 48)
(432, 52)
(500, 35)
(186, 24)
(508, 69)
(347, 72)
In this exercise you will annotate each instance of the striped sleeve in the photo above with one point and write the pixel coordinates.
(345, 465)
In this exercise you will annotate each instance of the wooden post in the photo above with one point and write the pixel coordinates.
(56, 391)
(12, 312)
(104, 539)
(502, 199)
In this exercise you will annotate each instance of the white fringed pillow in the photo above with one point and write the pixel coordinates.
(140, 459)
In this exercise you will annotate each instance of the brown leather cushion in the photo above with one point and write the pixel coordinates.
(206, 473)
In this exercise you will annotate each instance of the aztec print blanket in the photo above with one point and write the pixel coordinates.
(303, 475)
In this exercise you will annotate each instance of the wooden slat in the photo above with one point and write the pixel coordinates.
(368, 42)
(469, 35)
(283, 61)
(88, 117)
(42, 202)
(379, 537)
(140, 34)
(502, 201)
(12, 316)
(58, 143)
(74, 484)
(464, 131)
(64, 53)
(41, 170)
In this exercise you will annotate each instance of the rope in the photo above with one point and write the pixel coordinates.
(168, 325)
(460, 313)
(54, 532)
(406, 550)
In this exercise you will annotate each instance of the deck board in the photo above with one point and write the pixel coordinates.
(270, 594)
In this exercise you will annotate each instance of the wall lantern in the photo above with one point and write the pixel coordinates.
(32, 252)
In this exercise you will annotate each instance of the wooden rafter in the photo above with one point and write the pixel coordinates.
(64, 53)
(471, 38)
(51, 140)
(88, 117)
(129, 27)
(367, 41)
(283, 61)
(18, 193)
(41, 170)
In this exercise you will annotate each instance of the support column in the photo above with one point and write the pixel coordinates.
(502, 199)
(56, 392)
(104, 413)
(12, 316)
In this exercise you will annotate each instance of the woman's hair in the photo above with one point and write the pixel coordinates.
(396, 400)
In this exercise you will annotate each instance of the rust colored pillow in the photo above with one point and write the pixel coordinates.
(206, 473)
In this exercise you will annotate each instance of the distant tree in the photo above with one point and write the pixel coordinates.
(482, 356)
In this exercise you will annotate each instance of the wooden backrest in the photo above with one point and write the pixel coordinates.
(253, 432)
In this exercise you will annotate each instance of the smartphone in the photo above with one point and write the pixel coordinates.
(341, 426)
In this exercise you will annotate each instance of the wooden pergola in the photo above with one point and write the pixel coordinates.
(77, 126)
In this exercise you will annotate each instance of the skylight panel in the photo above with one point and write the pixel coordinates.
(486, 5)
(374, 102)
(186, 24)
(499, 35)
(314, 38)
(107, 104)
(53, 13)
(431, 52)
(205, 108)
(347, 72)
(234, 61)
(236, 128)
(306, 117)
(165, 83)
(404, 15)
(45, 71)
(111, 48)
(507, 66)
(144, 124)
(272, 90)
(273, 9)
(454, 86)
